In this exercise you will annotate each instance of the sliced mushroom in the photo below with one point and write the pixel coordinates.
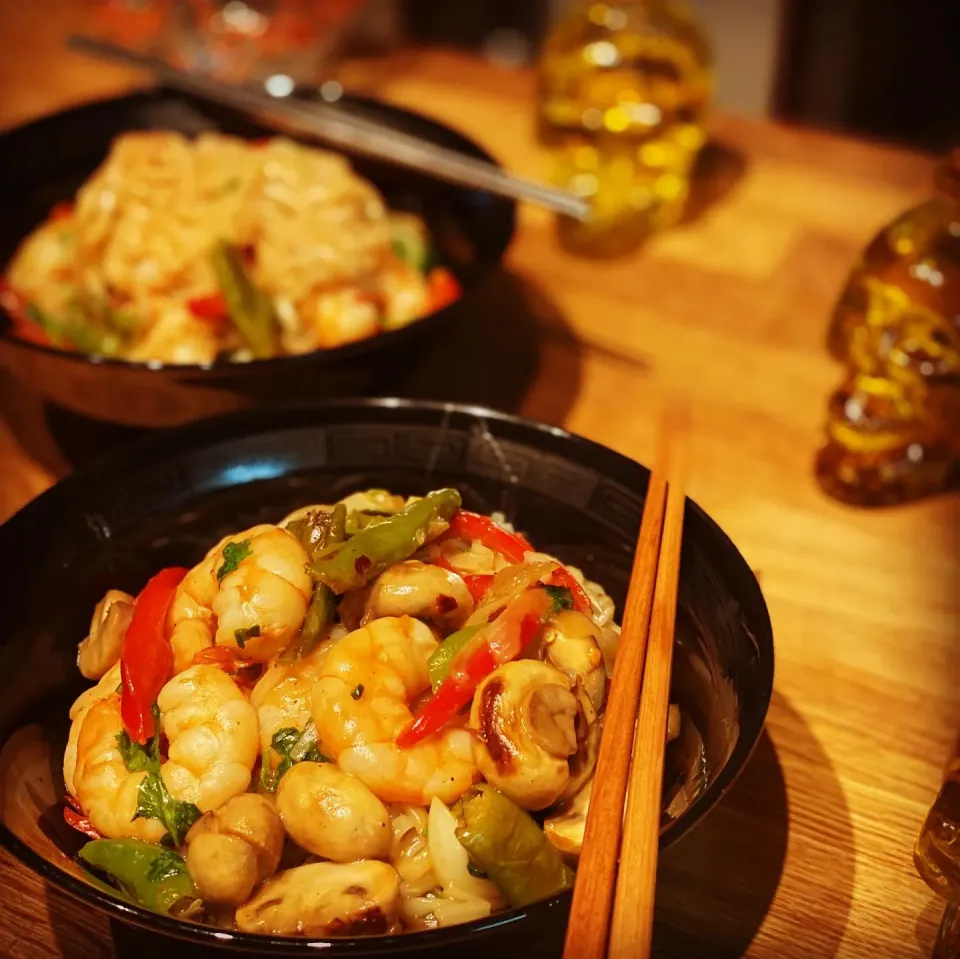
(609, 644)
(101, 649)
(588, 728)
(565, 827)
(332, 814)
(325, 899)
(232, 849)
(525, 715)
(418, 589)
(571, 642)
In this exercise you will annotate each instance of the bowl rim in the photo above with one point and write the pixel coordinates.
(208, 432)
(327, 356)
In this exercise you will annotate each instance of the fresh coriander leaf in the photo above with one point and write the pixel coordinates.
(561, 596)
(285, 739)
(313, 755)
(292, 746)
(306, 745)
(233, 555)
(167, 865)
(154, 802)
(179, 817)
(245, 633)
(136, 757)
(150, 798)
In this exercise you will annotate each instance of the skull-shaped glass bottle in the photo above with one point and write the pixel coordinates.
(893, 426)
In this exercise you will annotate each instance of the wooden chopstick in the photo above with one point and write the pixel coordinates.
(346, 130)
(631, 932)
(595, 889)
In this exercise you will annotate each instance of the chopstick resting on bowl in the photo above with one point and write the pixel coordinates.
(343, 129)
(612, 910)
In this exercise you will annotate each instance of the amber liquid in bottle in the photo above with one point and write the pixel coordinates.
(624, 88)
(893, 427)
(937, 857)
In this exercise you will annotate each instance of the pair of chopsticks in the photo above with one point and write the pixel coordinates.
(341, 128)
(612, 911)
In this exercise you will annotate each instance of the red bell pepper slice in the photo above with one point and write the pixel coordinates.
(146, 658)
(503, 640)
(442, 288)
(473, 526)
(24, 328)
(80, 822)
(451, 696)
(478, 584)
(73, 816)
(562, 576)
(210, 308)
(61, 211)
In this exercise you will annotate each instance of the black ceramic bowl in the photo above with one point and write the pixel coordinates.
(164, 501)
(46, 162)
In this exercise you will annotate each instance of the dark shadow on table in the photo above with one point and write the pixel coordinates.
(492, 357)
(928, 924)
(707, 902)
(718, 169)
(488, 355)
(716, 886)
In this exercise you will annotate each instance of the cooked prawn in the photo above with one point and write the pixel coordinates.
(250, 591)
(361, 703)
(108, 686)
(212, 734)
(106, 790)
(212, 746)
(283, 694)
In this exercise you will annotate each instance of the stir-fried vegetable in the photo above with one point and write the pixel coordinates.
(73, 816)
(504, 639)
(361, 519)
(249, 308)
(439, 664)
(153, 798)
(563, 577)
(506, 843)
(410, 241)
(212, 308)
(371, 551)
(146, 660)
(442, 288)
(151, 875)
(291, 746)
(80, 328)
(473, 526)
(317, 531)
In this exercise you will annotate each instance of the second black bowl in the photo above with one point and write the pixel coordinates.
(45, 162)
(165, 501)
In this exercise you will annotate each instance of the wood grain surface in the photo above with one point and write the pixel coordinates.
(810, 853)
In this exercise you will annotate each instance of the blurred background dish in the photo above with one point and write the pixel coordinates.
(187, 251)
(44, 163)
(164, 502)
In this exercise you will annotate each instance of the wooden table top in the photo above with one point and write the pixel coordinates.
(810, 854)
